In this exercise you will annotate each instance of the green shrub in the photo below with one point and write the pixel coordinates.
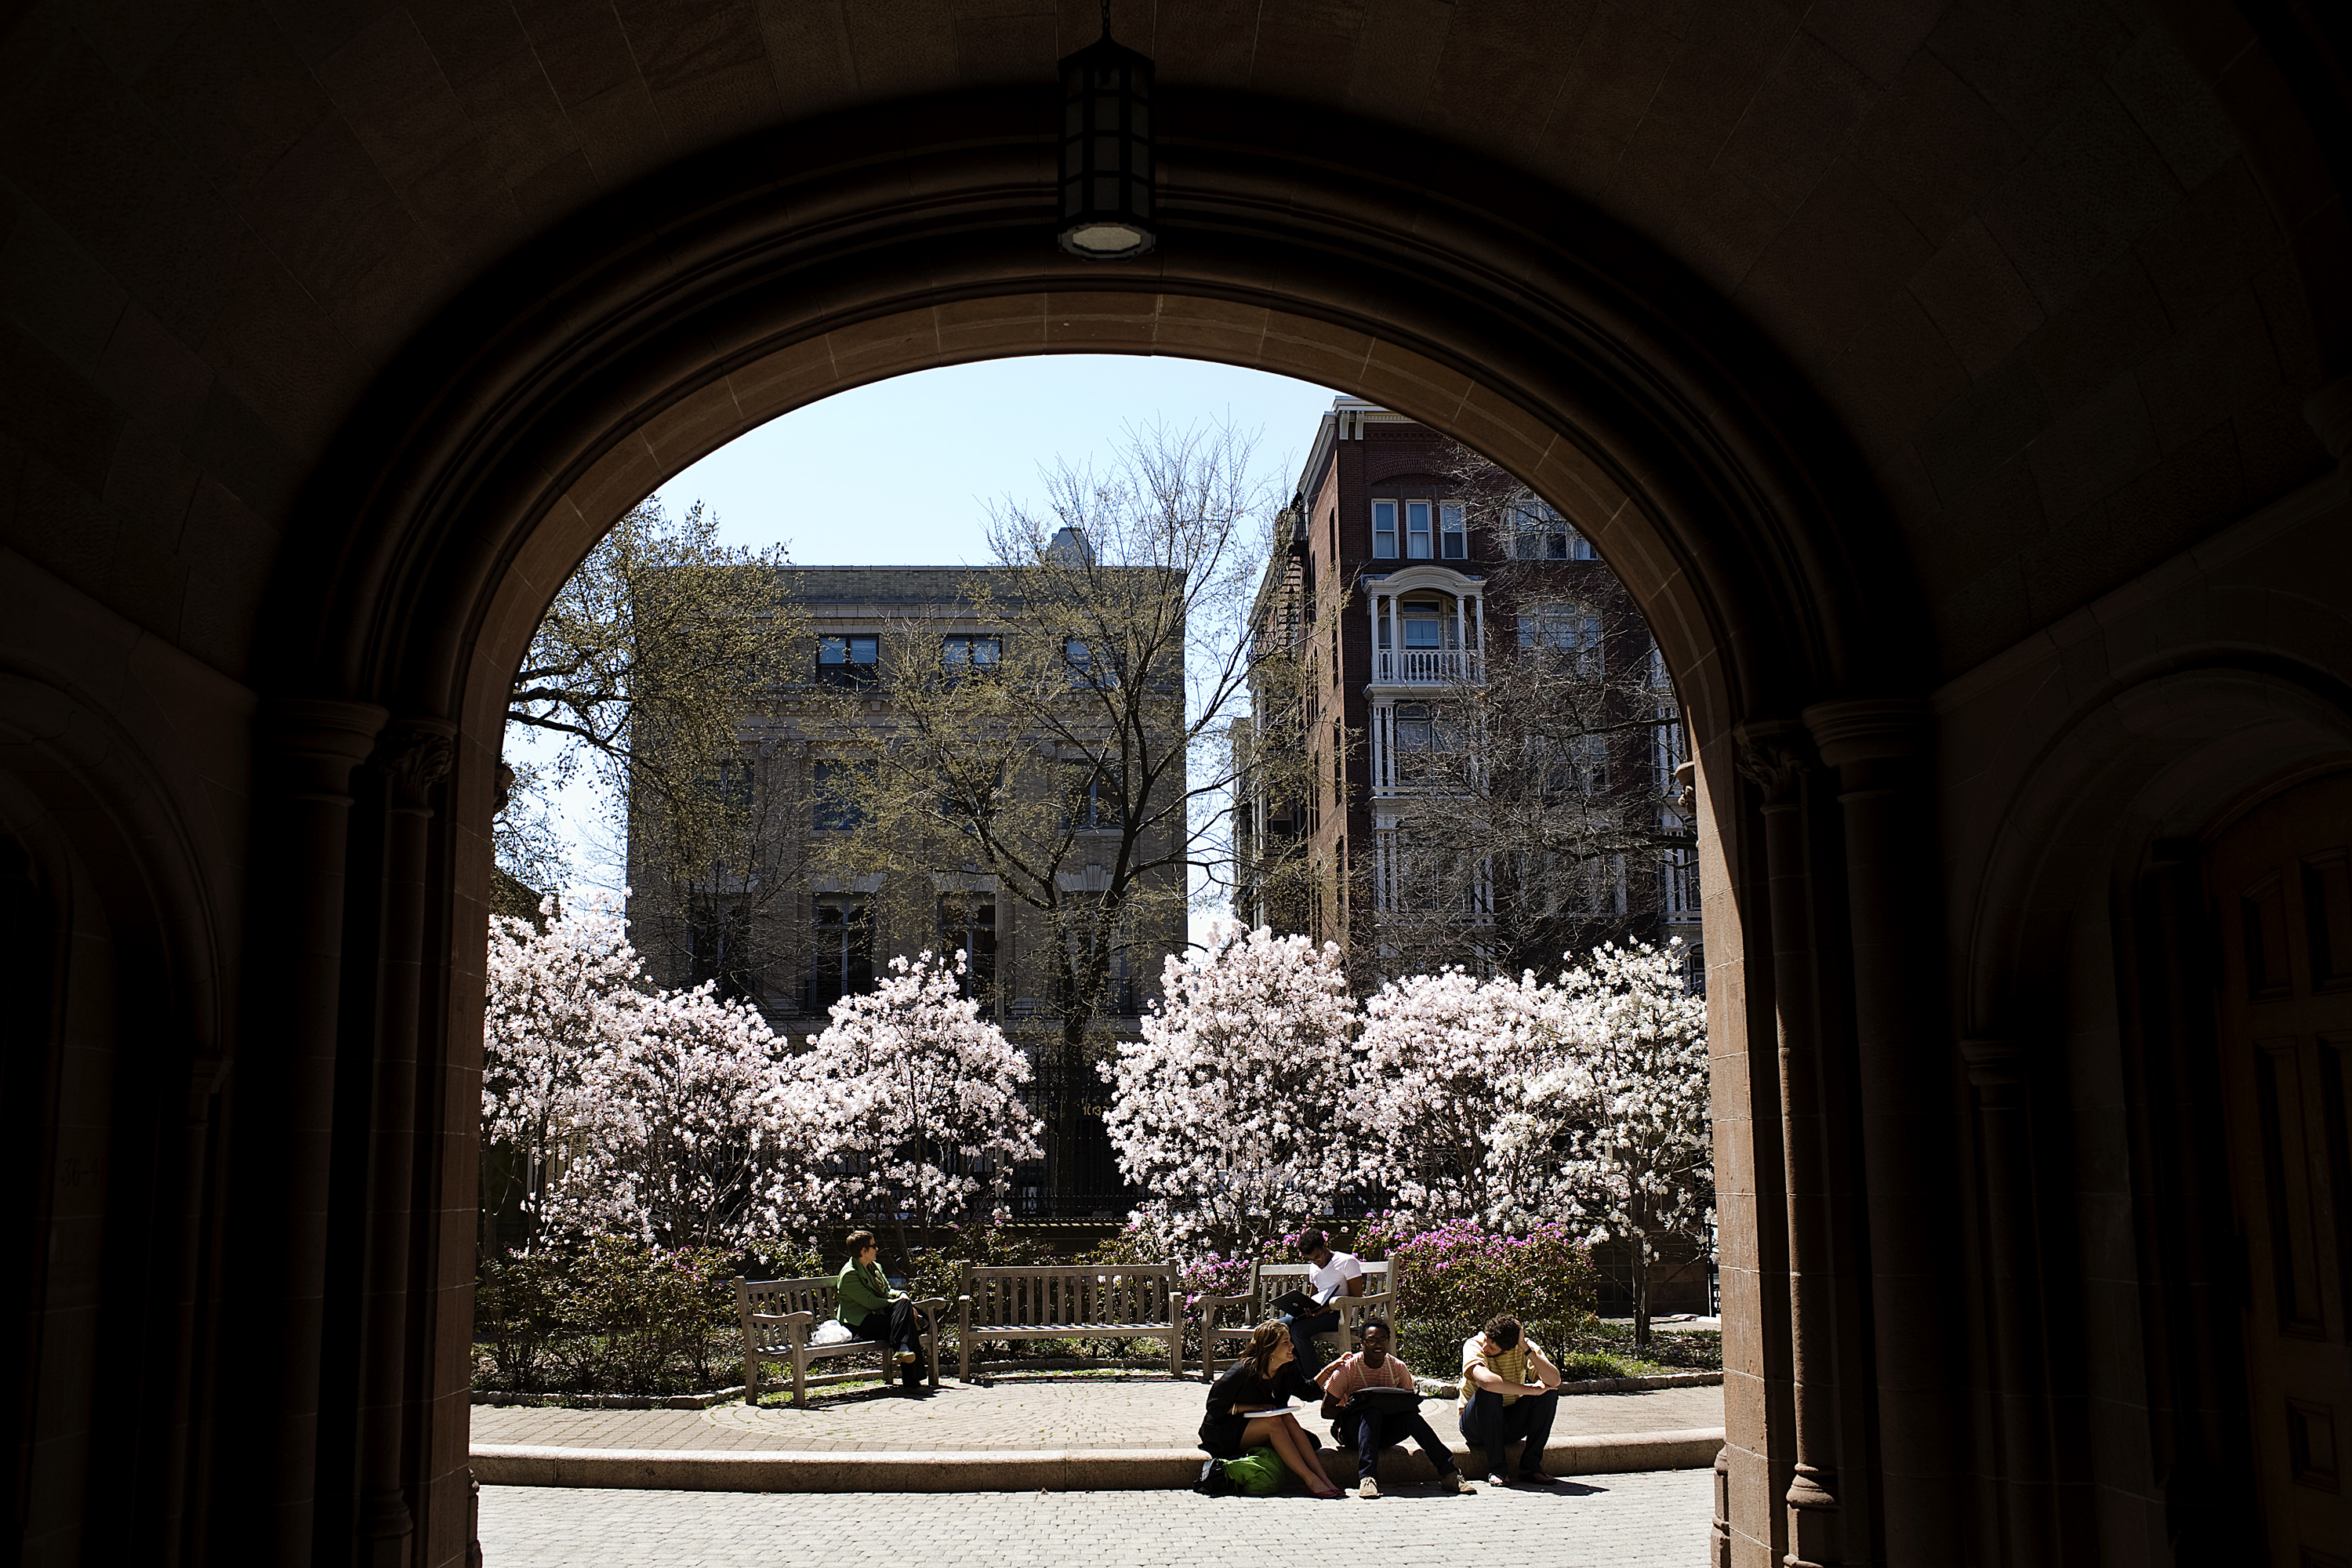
(613, 1315)
(1584, 1366)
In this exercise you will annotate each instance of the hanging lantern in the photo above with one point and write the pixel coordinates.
(1106, 208)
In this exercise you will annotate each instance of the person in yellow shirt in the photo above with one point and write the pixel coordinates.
(1510, 1391)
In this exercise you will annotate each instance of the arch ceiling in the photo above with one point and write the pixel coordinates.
(2045, 266)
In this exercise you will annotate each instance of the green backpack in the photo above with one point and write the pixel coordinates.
(1257, 1473)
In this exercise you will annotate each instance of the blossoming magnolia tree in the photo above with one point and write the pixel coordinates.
(1629, 1105)
(918, 1098)
(1454, 1058)
(1237, 1107)
(702, 1128)
(559, 1000)
(666, 1117)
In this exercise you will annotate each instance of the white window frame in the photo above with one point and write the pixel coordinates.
(1421, 543)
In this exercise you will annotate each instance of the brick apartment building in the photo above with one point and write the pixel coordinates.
(1407, 574)
(780, 930)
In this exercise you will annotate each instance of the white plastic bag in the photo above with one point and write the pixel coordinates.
(832, 1332)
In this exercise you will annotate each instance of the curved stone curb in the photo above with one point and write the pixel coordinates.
(998, 1470)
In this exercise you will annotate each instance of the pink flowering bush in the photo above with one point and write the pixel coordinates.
(1452, 1278)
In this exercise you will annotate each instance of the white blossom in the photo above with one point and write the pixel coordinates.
(666, 1116)
(1238, 1110)
(916, 1098)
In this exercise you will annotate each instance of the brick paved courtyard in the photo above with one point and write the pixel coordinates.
(1142, 1412)
(1655, 1519)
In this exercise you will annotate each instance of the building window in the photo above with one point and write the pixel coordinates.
(1454, 542)
(962, 654)
(1092, 806)
(1424, 625)
(840, 797)
(967, 925)
(848, 660)
(1539, 533)
(728, 784)
(1086, 669)
(1416, 530)
(1569, 628)
(1384, 530)
(841, 956)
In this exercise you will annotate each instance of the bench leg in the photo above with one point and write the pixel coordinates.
(750, 1373)
(1176, 1352)
(800, 1377)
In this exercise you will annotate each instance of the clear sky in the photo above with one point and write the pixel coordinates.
(902, 472)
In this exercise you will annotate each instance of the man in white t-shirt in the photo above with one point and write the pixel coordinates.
(1329, 1275)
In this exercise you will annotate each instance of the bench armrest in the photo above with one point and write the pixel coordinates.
(806, 1319)
(1222, 1300)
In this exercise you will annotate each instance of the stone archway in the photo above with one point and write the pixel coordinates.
(1567, 353)
(1906, 364)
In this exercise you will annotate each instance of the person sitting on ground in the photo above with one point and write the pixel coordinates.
(1510, 1390)
(1329, 1275)
(870, 1310)
(1266, 1376)
(1369, 1426)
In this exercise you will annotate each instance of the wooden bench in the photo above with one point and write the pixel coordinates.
(1270, 1282)
(779, 1316)
(1068, 1301)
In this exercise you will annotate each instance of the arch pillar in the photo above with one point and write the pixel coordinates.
(1778, 759)
(1880, 749)
(276, 1283)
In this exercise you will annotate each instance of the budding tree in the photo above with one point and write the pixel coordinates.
(1239, 1107)
(1073, 750)
(639, 677)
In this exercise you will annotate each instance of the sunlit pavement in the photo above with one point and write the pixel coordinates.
(1650, 1519)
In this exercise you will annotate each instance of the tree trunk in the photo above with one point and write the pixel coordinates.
(906, 1252)
(1068, 1109)
(1642, 1293)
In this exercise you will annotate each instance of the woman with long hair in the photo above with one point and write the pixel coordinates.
(1267, 1374)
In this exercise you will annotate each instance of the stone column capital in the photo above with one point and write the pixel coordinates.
(1870, 730)
(1996, 1068)
(1775, 755)
(316, 742)
(413, 756)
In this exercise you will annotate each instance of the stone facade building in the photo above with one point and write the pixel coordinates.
(791, 930)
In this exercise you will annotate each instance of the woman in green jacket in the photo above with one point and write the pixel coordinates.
(870, 1310)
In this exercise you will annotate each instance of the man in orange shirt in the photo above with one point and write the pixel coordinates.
(1375, 1422)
